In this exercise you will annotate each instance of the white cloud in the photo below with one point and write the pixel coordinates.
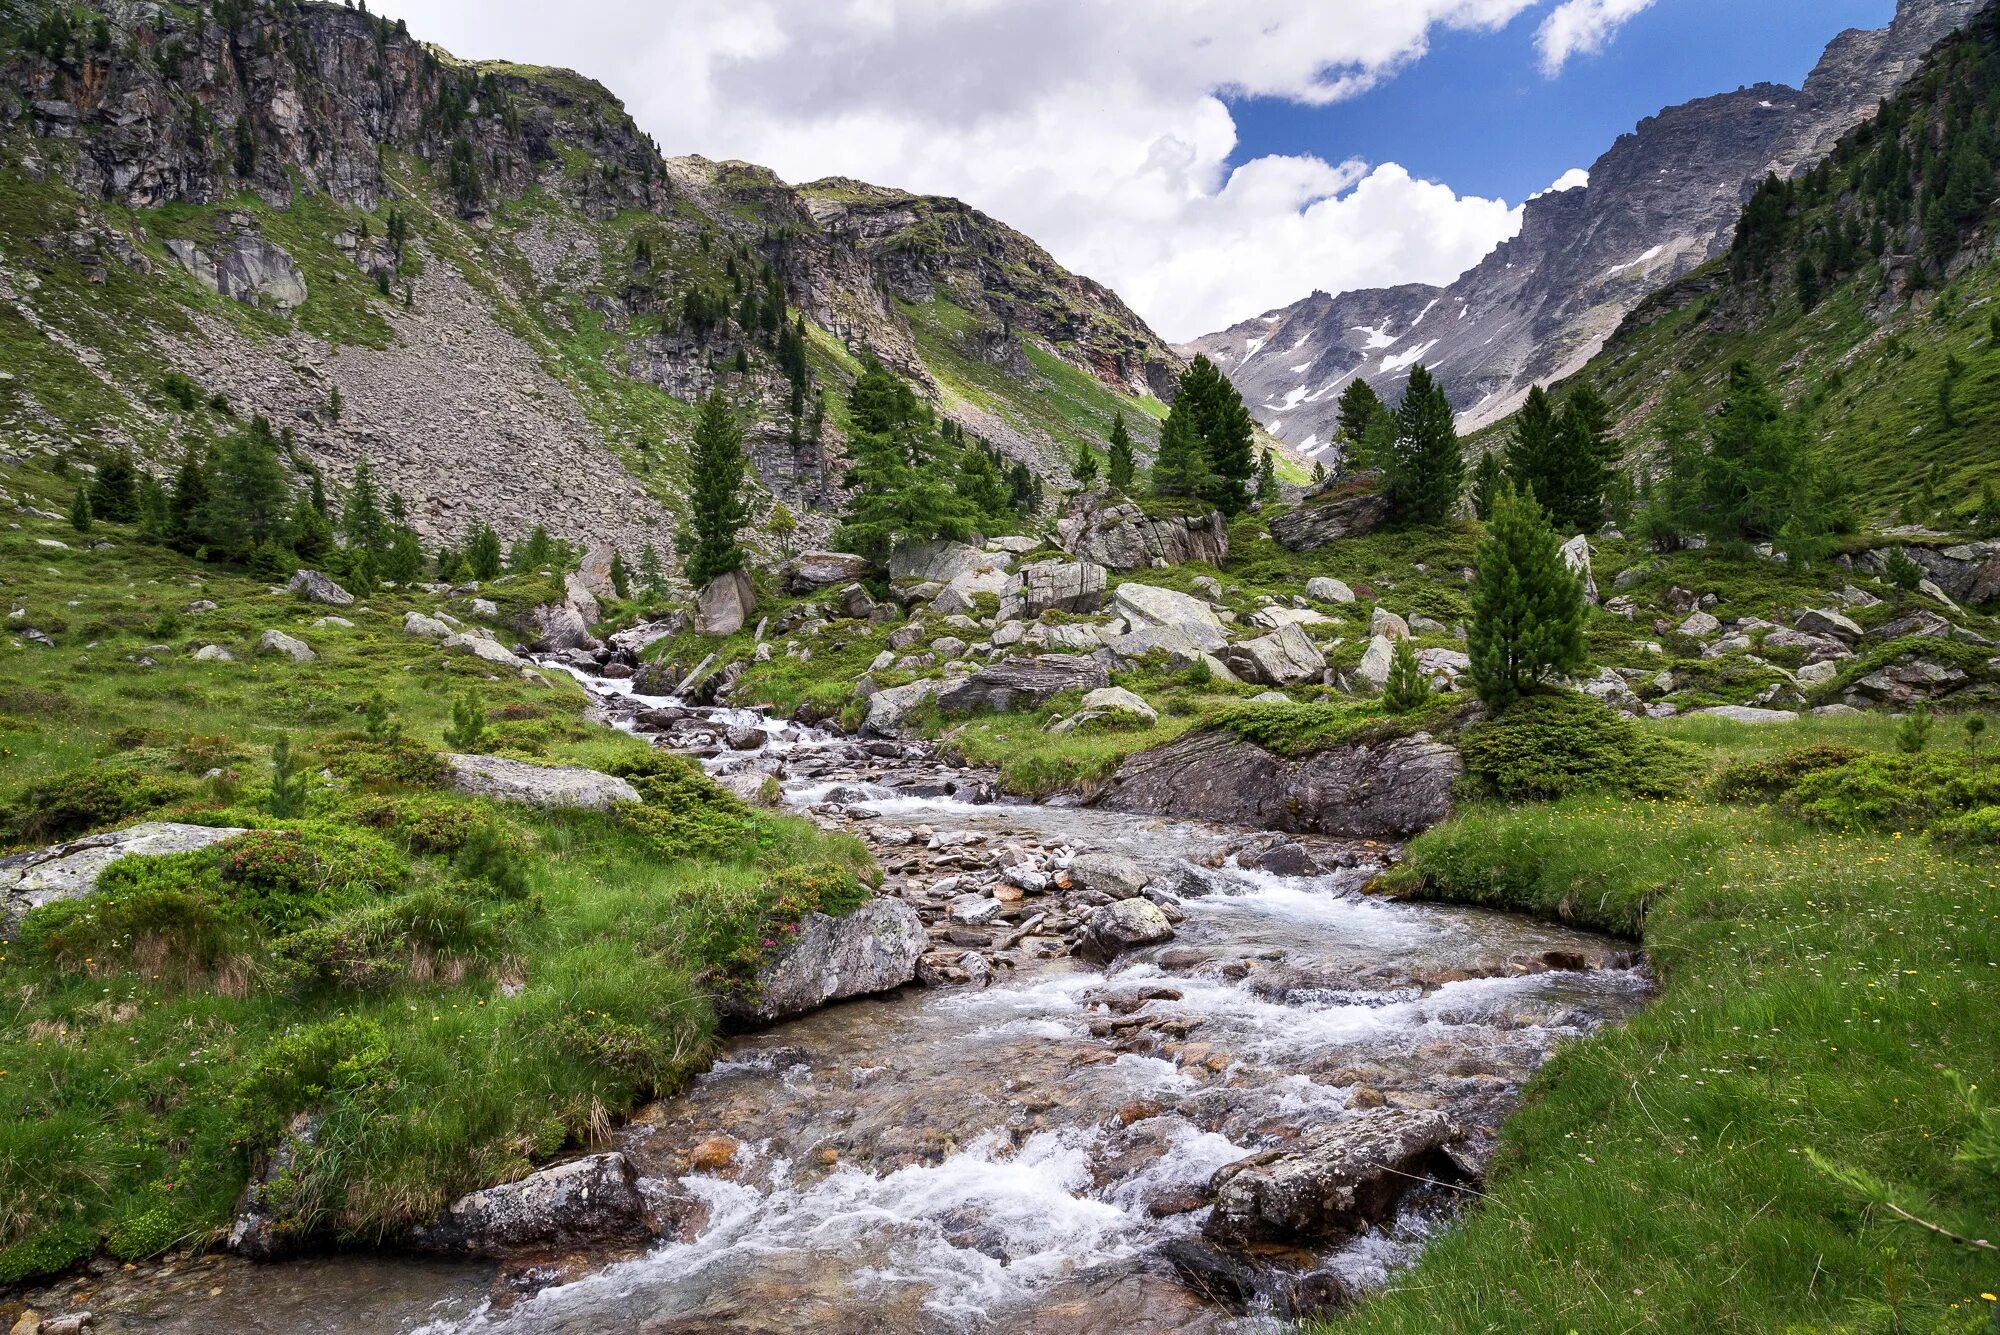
(1582, 28)
(1576, 178)
(1097, 127)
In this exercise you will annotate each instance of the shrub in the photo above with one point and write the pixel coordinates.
(1769, 779)
(150, 1231)
(1407, 689)
(48, 1252)
(284, 879)
(1549, 746)
(423, 824)
(467, 732)
(301, 1070)
(375, 947)
(1978, 828)
(1896, 792)
(177, 927)
(683, 813)
(736, 938)
(400, 762)
(67, 805)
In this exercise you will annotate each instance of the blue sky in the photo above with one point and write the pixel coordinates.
(1477, 114)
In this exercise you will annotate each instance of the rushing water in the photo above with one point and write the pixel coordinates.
(1015, 1158)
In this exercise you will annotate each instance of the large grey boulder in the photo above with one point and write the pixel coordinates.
(727, 602)
(317, 588)
(1022, 683)
(1326, 589)
(889, 710)
(1112, 875)
(1113, 702)
(1055, 586)
(484, 647)
(1368, 790)
(813, 571)
(1285, 657)
(586, 1201)
(1379, 657)
(1183, 645)
(1275, 616)
(1145, 605)
(277, 642)
(1826, 622)
(429, 628)
(70, 870)
(942, 561)
(873, 949)
(1123, 537)
(554, 627)
(537, 785)
(1125, 925)
(1576, 555)
(243, 267)
(1330, 1183)
(1315, 524)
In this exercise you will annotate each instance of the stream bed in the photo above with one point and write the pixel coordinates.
(1026, 1155)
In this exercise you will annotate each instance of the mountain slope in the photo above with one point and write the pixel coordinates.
(1662, 201)
(478, 276)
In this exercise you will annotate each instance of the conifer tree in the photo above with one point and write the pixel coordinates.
(1428, 474)
(1527, 605)
(1673, 512)
(247, 493)
(1267, 479)
(1359, 404)
(1533, 455)
(621, 579)
(716, 512)
(904, 477)
(482, 552)
(79, 510)
(308, 531)
(783, 525)
(404, 561)
(1585, 456)
(1319, 472)
(1084, 467)
(1759, 472)
(1407, 688)
(1486, 479)
(1227, 434)
(1181, 468)
(114, 492)
(289, 783)
(362, 522)
(1120, 466)
(188, 506)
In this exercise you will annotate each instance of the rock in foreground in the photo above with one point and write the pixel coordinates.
(537, 785)
(873, 949)
(70, 870)
(1330, 1183)
(591, 1200)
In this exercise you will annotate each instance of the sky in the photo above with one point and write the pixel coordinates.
(1208, 159)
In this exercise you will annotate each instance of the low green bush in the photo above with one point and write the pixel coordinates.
(67, 805)
(1978, 828)
(682, 812)
(1896, 792)
(394, 762)
(1550, 746)
(1769, 779)
(285, 878)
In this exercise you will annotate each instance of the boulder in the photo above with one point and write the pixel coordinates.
(813, 571)
(1285, 657)
(243, 267)
(1921, 624)
(1985, 585)
(1745, 714)
(1125, 925)
(1271, 618)
(430, 628)
(1022, 683)
(554, 627)
(1183, 645)
(484, 647)
(1838, 625)
(1388, 625)
(1117, 700)
(1308, 527)
(727, 602)
(1700, 625)
(1330, 1183)
(70, 870)
(1325, 589)
(1376, 662)
(213, 653)
(941, 561)
(854, 602)
(1909, 682)
(873, 949)
(1121, 536)
(1068, 638)
(889, 710)
(1055, 586)
(1576, 555)
(317, 588)
(1109, 874)
(585, 1202)
(1145, 605)
(1818, 674)
(537, 785)
(1367, 790)
(975, 910)
(277, 642)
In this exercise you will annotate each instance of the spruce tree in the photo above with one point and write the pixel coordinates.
(1084, 467)
(290, 783)
(1673, 513)
(308, 532)
(403, 563)
(1585, 454)
(1267, 478)
(248, 493)
(114, 492)
(79, 510)
(1486, 479)
(1119, 468)
(621, 580)
(1359, 404)
(904, 477)
(1228, 436)
(1760, 474)
(482, 552)
(716, 512)
(188, 507)
(1533, 455)
(362, 522)
(1407, 688)
(1181, 468)
(1527, 605)
(1428, 475)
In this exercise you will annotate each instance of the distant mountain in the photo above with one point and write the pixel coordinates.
(1662, 201)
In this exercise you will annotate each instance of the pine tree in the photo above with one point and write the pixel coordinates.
(1359, 404)
(467, 732)
(1084, 467)
(1428, 474)
(1585, 454)
(79, 510)
(1673, 512)
(1759, 473)
(1228, 436)
(1267, 479)
(621, 581)
(1181, 468)
(403, 563)
(1407, 689)
(1486, 479)
(1121, 464)
(1534, 454)
(114, 492)
(362, 522)
(716, 512)
(1527, 605)
(248, 493)
(482, 552)
(903, 482)
(783, 525)
(188, 506)
(985, 487)
(289, 783)
(1319, 472)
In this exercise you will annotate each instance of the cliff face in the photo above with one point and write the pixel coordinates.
(490, 263)
(1661, 201)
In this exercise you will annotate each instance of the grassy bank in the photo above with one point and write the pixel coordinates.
(443, 989)
(1823, 993)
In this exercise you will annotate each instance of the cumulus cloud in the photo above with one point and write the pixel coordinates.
(1098, 127)
(1576, 178)
(1581, 28)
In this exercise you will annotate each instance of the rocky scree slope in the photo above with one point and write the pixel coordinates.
(477, 276)
(1663, 200)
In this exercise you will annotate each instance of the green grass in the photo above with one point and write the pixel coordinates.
(447, 1017)
(1817, 990)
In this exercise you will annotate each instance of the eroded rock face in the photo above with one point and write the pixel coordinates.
(873, 949)
(1286, 657)
(70, 870)
(537, 785)
(1329, 1183)
(1121, 536)
(590, 1200)
(1367, 791)
(813, 571)
(1144, 605)
(553, 627)
(1022, 683)
(942, 561)
(1055, 586)
(1309, 527)
(725, 604)
(889, 710)
(244, 267)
